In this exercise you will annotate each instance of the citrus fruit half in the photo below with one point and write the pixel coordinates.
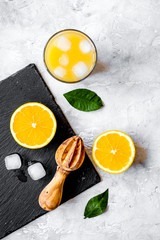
(113, 151)
(33, 125)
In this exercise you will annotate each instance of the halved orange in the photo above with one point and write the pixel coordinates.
(33, 125)
(113, 151)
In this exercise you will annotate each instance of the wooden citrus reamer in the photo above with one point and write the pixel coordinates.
(69, 157)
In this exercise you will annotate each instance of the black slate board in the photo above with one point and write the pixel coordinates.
(18, 192)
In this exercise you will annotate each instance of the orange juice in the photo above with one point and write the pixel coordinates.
(70, 55)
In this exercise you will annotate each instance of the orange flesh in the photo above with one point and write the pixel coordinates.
(113, 151)
(33, 125)
(53, 55)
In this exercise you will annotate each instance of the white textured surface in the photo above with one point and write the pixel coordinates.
(127, 77)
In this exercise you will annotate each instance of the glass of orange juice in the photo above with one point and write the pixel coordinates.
(70, 55)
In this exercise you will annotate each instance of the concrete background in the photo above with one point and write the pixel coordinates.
(127, 78)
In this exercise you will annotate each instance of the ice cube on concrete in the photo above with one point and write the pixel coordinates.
(85, 46)
(80, 69)
(64, 60)
(63, 43)
(13, 161)
(60, 71)
(36, 171)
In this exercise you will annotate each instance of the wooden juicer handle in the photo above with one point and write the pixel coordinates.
(69, 157)
(51, 195)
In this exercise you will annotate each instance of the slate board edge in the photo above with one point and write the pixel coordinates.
(98, 179)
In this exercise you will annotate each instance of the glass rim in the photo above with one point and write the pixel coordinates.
(64, 30)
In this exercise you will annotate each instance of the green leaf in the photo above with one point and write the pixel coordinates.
(96, 205)
(84, 100)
